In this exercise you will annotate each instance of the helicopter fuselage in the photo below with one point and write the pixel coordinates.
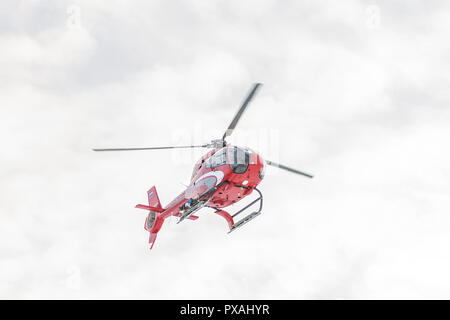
(221, 178)
(233, 170)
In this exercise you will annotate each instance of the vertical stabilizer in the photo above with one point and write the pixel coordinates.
(153, 199)
(154, 221)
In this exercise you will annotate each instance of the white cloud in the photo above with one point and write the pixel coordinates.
(364, 109)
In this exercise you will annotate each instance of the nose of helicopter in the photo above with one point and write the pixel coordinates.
(257, 164)
(262, 163)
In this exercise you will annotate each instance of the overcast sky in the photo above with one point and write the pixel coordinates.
(355, 92)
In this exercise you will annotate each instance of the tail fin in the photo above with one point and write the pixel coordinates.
(152, 239)
(153, 222)
(153, 199)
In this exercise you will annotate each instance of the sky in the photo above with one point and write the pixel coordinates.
(354, 92)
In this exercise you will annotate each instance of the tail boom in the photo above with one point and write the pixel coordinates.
(157, 214)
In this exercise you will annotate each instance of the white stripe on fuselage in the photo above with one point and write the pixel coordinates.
(218, 174)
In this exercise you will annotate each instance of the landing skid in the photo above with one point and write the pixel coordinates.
(193, 209)
(230, 218)
(188, 212)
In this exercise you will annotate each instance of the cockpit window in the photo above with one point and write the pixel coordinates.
(239, 159)
(217, 159)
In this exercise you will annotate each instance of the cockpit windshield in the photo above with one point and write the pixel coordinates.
(239, 159)
(217, 159)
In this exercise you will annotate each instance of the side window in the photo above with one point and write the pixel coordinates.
(218, 159)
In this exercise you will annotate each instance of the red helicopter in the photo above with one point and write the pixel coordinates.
(222, 177)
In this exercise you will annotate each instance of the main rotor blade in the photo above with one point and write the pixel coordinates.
(241, 110)
(151, 148)
(270, 163)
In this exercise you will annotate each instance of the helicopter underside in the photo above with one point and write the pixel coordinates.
(210, 199)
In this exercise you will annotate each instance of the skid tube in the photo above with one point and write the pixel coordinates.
(233, 226)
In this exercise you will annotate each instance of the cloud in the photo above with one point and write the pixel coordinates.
(362, 106)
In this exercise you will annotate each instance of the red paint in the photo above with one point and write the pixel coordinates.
(234, 187)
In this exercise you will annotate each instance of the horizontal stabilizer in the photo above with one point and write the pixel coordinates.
(142, 206)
